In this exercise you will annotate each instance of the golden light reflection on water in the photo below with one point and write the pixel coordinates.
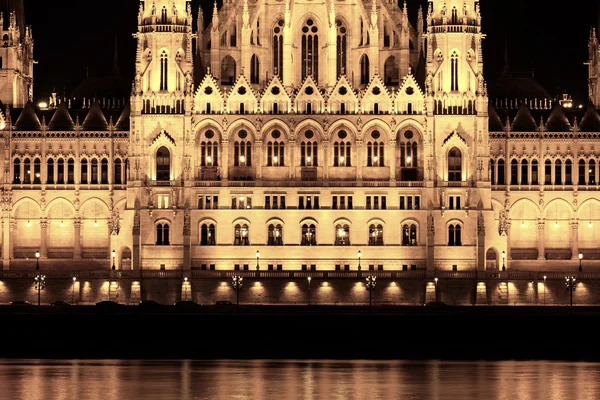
(287, 380)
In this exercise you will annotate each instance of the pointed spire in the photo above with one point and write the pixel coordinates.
(246, 15)
(200, 19)
(215, 18)
(420, 26)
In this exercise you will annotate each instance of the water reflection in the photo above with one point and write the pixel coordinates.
(286, 380)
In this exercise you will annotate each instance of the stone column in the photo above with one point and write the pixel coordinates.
(43, 236)
(519, 175)
(553, 174)
(77, 238)
(13, 225)
(326, 159)
(574, 239)
(540, 239)
(292, 158)
(259, 159)
(391, 155)
(225, 159)
(6, 242)
(359, 156)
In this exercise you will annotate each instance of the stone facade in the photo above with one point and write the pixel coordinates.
(307, 132)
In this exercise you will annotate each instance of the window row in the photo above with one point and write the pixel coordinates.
(555, 172)
(61, 172)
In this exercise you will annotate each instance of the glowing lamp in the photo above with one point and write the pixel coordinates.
(42, 105)
(242, 159)
(408, 159)
(275, 159)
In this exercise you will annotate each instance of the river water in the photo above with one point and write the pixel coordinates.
(283, 380)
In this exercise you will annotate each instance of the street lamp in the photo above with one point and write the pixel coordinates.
(39, 279)
(185, 285)
(257, 257)
(73, 291)
(371, 282)
(237, 282)
(114, 254)
(503, 260)
(580, 258)
(570, 284)
(359, 256)
(37, 260)
(545, 289)
(309, 279)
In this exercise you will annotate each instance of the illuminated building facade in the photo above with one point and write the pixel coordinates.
(306, 131)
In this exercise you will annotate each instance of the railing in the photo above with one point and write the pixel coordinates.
(456, 274)
(299, 183)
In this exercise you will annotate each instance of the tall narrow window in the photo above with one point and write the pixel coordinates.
(534, 172)
(547, 172)
(514, 172)
(492, 167)
(342, 235)
(454, 16)
(50, 179)
(568, 172)
(118, 172)
(581, 174)
(163, 164)
(60, 171)
(524, 172)
(310, 50)
(364, 69)
(164, 73)
(104, 172)
(454, 71)
(27, 171)
(70, 171)
(278, 49)
(275, 235)
(254, 69)
(375, 235)
(163, 19)
(94, 179)
(558, 172)
(162, 235)
(592, 173)
(454, 165)
(454, 235)
(501, 173)
(309, 235)
(37, 171)
(84, 171)
(228, 70)
(341, 45)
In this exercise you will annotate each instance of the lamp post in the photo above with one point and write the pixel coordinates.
(570, 284)
(257, 257)
(580, 258)
(359, 256)
(114, 254)
(371, 282)
(185, 286)
(39, 279)
(503, 260)
(73, 291)
(435, 280)
(309, 279)
(545, 289)
(237, 282)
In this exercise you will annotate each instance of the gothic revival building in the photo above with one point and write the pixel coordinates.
(307, 130)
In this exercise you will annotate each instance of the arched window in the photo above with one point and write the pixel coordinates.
(492, 167)
(118, 172)
(228, 71)
(254, 69)
(103, 171)
(558, 172)
(275, 151)
(164, 72)
(342, 151)
(50, 179)
(568, 172)
(275, 235)
(60, 171)
(341, 45)
(26, 171)
(233, 36)
(375, 235)
(241, 235)
(242, 152)
(364, 69)
(126, 171)
(309, 235)
(454, 165)
(534, 173)
(94, 171)
(37, 171)
(163, 164)
(501, 173)
(524, 172)
(309, 150)
(310, 50)
(514, 172)
(454, 71)
(409, 235)
(454, 235)
(581, 171)
(207, 235)
(17, 171)
(209, 150)
(162, 234)
(163, 19)
(84, 171)
(592, 173)
(547, 172)
(342, 235)
(278, 49)
(391, 71)
(375, 151)
(454, 16)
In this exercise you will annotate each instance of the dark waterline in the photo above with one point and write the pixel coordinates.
(291, 379)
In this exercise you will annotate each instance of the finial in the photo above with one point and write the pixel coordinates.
(246, 15)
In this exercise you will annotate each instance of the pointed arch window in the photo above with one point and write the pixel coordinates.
(375, 154)
(341, 46)
(454, 71)
(27, 171)
(492, 167)
(534, 172)
(309, 154)
(163, 164)
(592, 173)
(254, 69)
(501, 173)
(17, 171)
(228, 70)
(454, 16)
(94, 179)
(310, 50)
(118, 172)
(50, 176)
(103, 172)
(242, 153)
(454, 165)
(164, 72)
(162, 234)
(342, 151)
(209, 152)
(84, 171)
(163, 15)
(60, 179)
(37, 171)
(558, 172)
(514, 172)
(233, 37)
(568, 172)
(364, 69)
(207, 235)
(275, 154)
(278, 49)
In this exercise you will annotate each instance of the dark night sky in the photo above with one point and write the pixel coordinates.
(71, 34)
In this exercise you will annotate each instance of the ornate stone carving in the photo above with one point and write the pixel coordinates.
(136, 224)
(187, 223)
(503, 223)
(431, 223)
(480, 224)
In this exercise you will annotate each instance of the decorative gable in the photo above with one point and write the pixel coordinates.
(454, 138)
(241, 99)
(376, 99)
(275, 99)
(163, 135)
(209, 98)
(308, 98)
(410, 98)
(342, 98)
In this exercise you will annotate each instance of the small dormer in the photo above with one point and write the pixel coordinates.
(241, 99)
(342, 98)
(209, 99)
(376, 99)
(275, 98)
(308, 98)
